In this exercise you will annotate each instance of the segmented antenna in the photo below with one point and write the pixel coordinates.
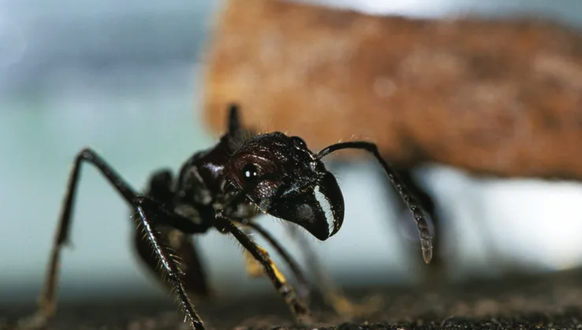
(409, 199)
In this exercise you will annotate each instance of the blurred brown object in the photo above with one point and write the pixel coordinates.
(496, 97)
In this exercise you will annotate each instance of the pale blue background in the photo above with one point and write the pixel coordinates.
(124, 76)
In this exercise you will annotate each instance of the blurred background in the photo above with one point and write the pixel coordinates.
(124, 78)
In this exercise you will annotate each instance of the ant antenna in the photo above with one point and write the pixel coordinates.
(233, 118)
(411, 201)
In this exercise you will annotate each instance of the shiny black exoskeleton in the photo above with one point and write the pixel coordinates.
(225, 187)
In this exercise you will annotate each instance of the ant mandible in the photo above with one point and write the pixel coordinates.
(225, 187)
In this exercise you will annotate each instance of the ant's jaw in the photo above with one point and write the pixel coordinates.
(330, 199)
(318, 209)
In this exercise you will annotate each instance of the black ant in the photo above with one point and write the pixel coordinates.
(226, 187)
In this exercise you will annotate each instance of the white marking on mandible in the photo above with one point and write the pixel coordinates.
(326, 207)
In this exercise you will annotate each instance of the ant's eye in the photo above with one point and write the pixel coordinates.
(250, 172)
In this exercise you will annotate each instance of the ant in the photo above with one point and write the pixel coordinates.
(225, 187)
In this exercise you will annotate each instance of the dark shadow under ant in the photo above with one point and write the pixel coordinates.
(226, 187)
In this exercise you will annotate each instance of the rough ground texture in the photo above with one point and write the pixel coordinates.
(542, 302)
(496, 97)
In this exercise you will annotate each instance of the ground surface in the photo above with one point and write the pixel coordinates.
(546, 302)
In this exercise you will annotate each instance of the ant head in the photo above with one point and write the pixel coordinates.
(285, 179)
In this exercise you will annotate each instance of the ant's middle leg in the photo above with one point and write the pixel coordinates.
(144, 207)
(183, 245)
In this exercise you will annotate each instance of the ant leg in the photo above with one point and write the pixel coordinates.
(332, 293)
(254, 268)
(252, 265)
(171, 267)
(47, 299)
(304, 286)
(298, 309)
(194, 277)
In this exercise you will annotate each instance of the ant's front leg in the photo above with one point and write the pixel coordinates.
(253, 266)
(300, 311)
(331, 292)
(145, 208)
(303, 284)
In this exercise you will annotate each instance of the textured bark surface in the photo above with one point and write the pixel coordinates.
(502, 98)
